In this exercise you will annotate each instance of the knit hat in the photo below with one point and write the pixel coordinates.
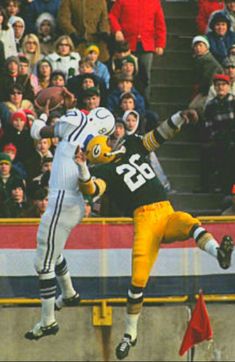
(128, 59)
(233, 189)
(125, 116)
(89, 92)
(45, 16)
(10, 147)
(12, 59)
(223, 77)
(121, 77)
(30, 115)
(202, 39)
(91, 48)
(18, 183)
(219, 16)
(19, 114)
(5, 158)
(229, 62)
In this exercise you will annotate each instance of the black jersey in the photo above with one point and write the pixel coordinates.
(131, 181)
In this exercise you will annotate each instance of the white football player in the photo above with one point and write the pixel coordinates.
(65, 206)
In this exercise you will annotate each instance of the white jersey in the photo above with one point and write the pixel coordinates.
(73, 129)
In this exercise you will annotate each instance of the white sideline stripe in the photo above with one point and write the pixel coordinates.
(115, 263)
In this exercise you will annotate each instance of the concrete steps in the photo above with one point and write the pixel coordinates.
(171, 90)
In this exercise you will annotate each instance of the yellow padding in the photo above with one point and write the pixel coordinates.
(150, 142)
(101, 185)
(87, 188)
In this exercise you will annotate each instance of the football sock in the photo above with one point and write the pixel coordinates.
(206, 241)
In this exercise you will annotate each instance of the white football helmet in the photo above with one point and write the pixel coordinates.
(101, 121)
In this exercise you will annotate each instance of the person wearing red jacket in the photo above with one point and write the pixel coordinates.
(205, 9)
(142, 24)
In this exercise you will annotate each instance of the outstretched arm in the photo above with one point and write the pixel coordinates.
(87, 184)
(168, 129)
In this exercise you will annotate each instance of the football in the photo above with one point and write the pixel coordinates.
(55, 94)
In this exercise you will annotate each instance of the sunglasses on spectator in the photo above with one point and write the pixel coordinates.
(230, 66)
(64, 44)
(16, 92)
(31, 42)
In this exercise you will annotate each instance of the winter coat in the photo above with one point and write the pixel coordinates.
(68, 64)
(7, 37)
(139, 20)
(219, 46)
(205, 9)
(102, 71)
(37, 7)
(113, 100)
(6, 82)
(88, 20)
(205, 67)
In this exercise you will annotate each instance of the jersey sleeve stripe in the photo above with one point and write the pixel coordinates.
(150, 142)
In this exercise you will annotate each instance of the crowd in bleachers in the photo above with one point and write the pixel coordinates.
(214, 93)
(98, 51)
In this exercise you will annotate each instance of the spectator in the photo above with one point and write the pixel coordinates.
(39, 203)
(220, 36)
(218, 135)
(229, 69)
(12, 77)
(76, 84)
(90, 99)
(86, 22)
(12, 8)
(124, 85)
(37, 7)
(17, 204)
(205, 9)
(58, 78)
(25, 70)
(18, 133)
(7, 177)
(142, 24)
(18, 26)
(7, 35)
(231, 51)
(18, 166)
(37, 182)
(121, 50)
(46, 32)
(229, 11)
(86, 81)
(205, 66)
(16, 100)
(230, 211)
(32, 50)
(65, 58)
(44, 71)
(92, 53)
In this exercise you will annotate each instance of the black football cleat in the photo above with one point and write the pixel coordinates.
(39, 331)
(74, 301)
(224, 252)
(124, 346)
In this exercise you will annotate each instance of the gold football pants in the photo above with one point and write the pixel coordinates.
(155, 224)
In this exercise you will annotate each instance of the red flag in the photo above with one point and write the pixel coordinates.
(199, 327)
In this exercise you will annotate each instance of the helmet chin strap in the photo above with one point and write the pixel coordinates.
(122, 151)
